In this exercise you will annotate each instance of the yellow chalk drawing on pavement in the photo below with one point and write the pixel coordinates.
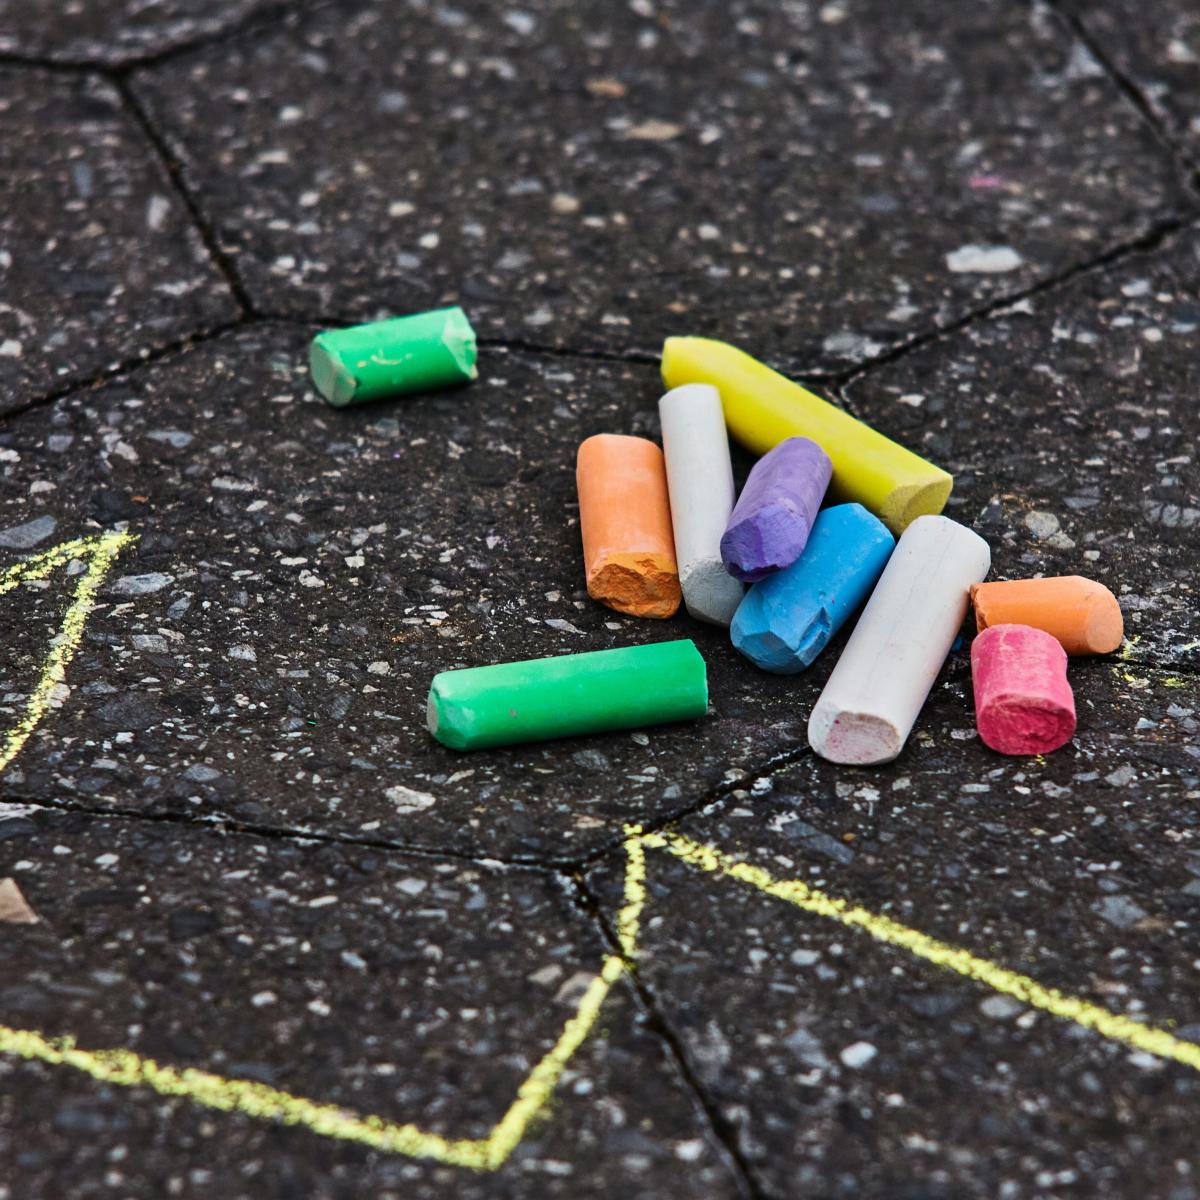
(952, 958)
(99, 552)
(124, 1067)
(127, 1068)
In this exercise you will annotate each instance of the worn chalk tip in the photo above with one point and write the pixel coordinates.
(903, 505)
(459, 339)
(769, 540)
(445, 719)
(641, 585)
(1105, 626)
(336, 385)
(710, 593)
(675, 347)
(853, 738)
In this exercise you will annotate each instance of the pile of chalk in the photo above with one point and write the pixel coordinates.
(832, 514)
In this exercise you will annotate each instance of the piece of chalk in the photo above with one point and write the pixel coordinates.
(700, 482)
(1083, 614)
(625, 520)
(762, 408)
(787, 619)
(876, 691)
(389, 358)
(542, 698)
(770, 523)
(1023, 702)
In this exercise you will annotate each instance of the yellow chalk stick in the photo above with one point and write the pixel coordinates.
(762, 408)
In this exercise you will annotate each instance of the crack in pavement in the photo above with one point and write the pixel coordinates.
(559, 864)
(1154, 238)
(174, 171)
(128, 366)
(657, 1023)
(258, 20)
(1125, 84)
(229, 827)
(833, 385)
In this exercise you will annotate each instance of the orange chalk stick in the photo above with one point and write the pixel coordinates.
(1083, 614)
(625, 519)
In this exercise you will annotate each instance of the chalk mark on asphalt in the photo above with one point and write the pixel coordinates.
(127, 1068)
(99, 552)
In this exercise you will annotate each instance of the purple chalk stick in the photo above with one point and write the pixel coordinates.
(770, 523)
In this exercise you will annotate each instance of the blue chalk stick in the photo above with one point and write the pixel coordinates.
(787, 619)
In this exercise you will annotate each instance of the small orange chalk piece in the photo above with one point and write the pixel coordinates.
(625, 520)
(1083, 614)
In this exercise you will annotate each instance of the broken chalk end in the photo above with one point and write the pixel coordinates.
(335, 384)
(1105, 628)
(444, 721)
(459, 339)
(641, 585)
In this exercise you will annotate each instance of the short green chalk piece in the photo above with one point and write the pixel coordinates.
(543, 698)
(388, 358)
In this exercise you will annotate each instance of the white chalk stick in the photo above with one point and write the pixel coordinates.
(876, 691)
(700, 482)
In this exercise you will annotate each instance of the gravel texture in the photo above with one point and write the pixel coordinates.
(973, 225)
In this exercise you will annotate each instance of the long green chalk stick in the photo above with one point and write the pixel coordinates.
(389, 358)
(573, 694)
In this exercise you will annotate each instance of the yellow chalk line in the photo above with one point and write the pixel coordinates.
(1069, 1008)
(257, 1100)
(100, 551)
(128, 1069)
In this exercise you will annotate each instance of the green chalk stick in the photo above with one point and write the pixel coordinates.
(544, 698)
(388, 358)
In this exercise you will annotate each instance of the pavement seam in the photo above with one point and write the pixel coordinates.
(174, 172)
(1153, 237)
(656, 1022)
(519, 345)
(1149, 240)
(228, 827)
(1124, 83)
(833, 383)
(145, 358)
(25, 62)
(260, 19)
(710, 798)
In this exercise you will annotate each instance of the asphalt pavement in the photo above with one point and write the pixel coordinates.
(515, 973)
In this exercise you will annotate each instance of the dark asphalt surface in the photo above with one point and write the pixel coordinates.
(976, 226)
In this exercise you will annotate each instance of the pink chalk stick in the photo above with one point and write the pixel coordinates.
(1023, 702)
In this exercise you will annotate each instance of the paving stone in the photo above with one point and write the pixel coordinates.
(852, 1068)
(99, 257)
(1070, 424)
(112, 32)
(1157, 47)
(417, 989)
(821, 179)
(321, 566)
(816, 179)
